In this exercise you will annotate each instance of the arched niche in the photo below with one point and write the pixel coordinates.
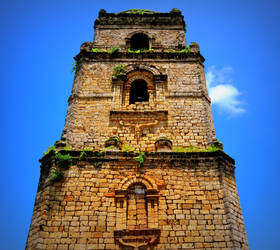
(139, 41)
(137, 212)
(139, 88)
(137, 204)
(144, 80)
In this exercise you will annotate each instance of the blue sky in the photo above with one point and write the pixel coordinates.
(240, 41)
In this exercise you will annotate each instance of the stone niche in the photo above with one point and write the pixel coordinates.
(137, 214)
(153, 80)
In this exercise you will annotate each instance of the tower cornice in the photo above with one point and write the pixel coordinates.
(155, 56)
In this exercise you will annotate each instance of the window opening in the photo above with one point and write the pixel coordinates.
(139, 42)
(138, 92)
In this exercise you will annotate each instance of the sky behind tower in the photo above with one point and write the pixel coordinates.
(240, 42)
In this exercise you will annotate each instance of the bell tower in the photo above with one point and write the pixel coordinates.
(138, 165)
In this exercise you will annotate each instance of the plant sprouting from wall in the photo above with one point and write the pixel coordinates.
(185, 50)
(114, 50)
(140, 159)
(49, 149)
(74, 67)
(63, 160)
(94, 50)
(120, 69)
(82, 155)
(97, 164)
(56, 175)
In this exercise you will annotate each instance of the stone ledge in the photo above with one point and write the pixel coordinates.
(96, 56)
(139, 115)
(188, 94)
(90, 96)
(92, 156)
(138, 111)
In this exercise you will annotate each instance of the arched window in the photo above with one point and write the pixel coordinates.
(138, 92)
(139, 41)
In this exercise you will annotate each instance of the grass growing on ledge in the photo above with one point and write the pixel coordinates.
(212, 149)
(94, 50)
(127, 148)
(139, 11)
(107, 148)
(140, 51)
(185, 50)
(53, 148)
(113, 50)
(195, 149)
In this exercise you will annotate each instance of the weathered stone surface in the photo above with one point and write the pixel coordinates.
(115, 198)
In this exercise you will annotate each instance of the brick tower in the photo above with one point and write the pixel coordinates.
(138, 165)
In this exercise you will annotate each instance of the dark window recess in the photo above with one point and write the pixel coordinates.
(139, 41)
(138, 92)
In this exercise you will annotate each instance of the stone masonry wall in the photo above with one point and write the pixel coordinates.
(188, 119)
(195, 206)
(233, 209)
(163, 38)
(106, 198)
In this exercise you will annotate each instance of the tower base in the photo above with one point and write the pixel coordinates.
(108, 201)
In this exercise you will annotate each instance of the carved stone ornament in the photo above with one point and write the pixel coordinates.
(137, 238)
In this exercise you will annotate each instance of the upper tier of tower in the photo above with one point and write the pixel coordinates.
(139, 82)
(140, 29)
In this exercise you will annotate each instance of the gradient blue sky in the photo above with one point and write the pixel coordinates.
(240, 41)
